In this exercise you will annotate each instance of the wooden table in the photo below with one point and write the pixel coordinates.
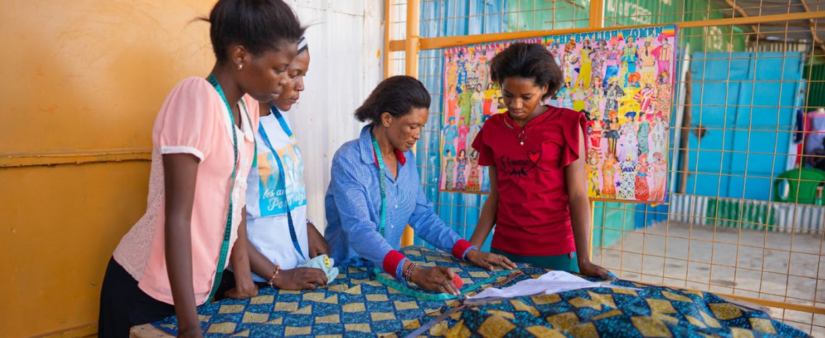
(148, 331)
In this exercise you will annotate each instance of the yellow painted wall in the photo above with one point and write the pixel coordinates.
(79, 76)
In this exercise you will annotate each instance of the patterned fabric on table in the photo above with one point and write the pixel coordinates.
(604, 312)
(356, 305)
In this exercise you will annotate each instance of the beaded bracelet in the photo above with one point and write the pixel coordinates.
(274, 275)
(410, 268)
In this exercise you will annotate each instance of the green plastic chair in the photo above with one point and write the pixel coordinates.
(806, 180)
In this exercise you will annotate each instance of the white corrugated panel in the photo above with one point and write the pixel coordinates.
(345, 40)
(808, 219)
(779, 46)
(688, 208)
(805, 219)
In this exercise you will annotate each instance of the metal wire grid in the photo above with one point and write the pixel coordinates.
(396, 19)
(643, 12)
(788, 283)
(458, 17)
(783, 273)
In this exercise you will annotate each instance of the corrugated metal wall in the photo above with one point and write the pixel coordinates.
(747, 101)
(345, 45)
(747, 214)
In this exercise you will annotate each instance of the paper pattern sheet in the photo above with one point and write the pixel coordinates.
(549, 283)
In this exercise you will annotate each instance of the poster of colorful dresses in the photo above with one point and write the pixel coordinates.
(622, 80)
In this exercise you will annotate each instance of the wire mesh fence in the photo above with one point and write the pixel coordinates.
(744, 214)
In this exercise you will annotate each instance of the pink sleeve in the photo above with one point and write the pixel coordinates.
(571, 123)
(188, 119)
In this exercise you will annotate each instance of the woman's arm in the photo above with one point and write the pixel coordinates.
(488, 212)
(180, 172)
(244, 286)
(432, 229)
(352, 203)
(350, 198)
(580, 212)
(317, 243)
(287, 279)
(259, 264)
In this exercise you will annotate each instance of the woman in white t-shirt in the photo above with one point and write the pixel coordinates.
(281, 236)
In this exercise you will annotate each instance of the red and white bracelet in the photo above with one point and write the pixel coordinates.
(408, 273)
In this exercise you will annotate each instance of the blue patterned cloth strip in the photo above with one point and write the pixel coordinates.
(356, 305)
(603, 312)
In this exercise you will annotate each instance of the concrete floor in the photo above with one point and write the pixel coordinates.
(771, 266)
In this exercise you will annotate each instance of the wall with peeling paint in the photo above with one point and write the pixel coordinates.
(82, 83)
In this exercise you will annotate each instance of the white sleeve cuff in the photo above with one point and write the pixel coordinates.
(182, 150)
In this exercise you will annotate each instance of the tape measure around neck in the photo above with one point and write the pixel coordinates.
(262, 131)
(227, 234)
(382, 180)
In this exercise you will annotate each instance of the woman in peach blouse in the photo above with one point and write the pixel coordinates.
(203, 145)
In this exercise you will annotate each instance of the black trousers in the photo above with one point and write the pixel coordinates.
(123, 304)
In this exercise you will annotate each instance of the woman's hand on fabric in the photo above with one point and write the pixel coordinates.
(243, 292)
(301, 279)
(486, 260)
(317, 243)
(437, 278)
(589, 269)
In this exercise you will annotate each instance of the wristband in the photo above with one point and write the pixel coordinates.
(274, 275)
(410, 268)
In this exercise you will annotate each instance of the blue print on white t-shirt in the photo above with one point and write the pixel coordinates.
(273, 189)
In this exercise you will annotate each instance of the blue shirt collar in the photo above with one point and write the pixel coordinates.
(368, 151)
(365, 142)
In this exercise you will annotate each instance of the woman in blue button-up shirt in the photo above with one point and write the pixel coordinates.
(396, 111)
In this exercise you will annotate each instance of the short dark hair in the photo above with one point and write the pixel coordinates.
(529, 61)
(397, 95)
(257, 25)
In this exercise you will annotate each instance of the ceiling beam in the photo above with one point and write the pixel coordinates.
(813, 27)
(744, 14)
(452, 41)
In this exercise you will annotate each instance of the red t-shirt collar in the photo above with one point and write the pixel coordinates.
(510, 122)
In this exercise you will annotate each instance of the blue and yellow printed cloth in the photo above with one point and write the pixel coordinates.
(604, 312)
(357, 305)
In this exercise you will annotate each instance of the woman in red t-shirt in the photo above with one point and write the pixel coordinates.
(536, 153)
